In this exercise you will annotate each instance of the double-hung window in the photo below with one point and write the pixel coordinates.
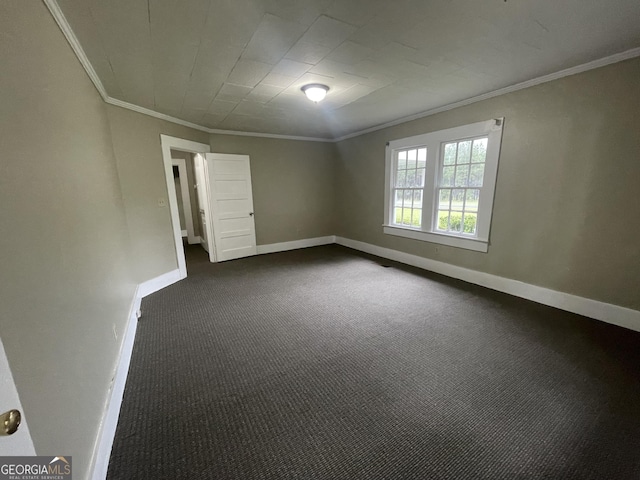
(440, 185)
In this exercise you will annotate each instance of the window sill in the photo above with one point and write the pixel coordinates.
(450, 240)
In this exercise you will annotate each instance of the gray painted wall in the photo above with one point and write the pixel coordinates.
(66, 286)
(136, 143)
(566, 206)
(293, 185)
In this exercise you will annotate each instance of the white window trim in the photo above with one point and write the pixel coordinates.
(434, 141)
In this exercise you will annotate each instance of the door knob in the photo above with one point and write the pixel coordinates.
(9, 422)
(251, 214)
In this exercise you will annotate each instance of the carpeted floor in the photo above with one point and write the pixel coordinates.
(324, 363)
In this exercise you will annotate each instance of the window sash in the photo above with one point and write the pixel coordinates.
(409, 163)
(468, 165)
(416, 218)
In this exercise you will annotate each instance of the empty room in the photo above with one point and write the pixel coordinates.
(320, 239)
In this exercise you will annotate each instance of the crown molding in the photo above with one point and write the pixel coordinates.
(601, 62)
(152, 113)
(61, 20)
(270, 135)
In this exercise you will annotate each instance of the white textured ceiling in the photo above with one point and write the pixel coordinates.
(239, 64)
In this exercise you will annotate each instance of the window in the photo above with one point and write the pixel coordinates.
(440, 185)
(409, 185)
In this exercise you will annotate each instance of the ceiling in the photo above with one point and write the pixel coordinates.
(239, 64)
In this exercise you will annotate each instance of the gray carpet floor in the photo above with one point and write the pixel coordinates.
(325, 363)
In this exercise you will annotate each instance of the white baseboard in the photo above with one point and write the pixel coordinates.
(158, 283)
(184, 233)
(102, 451)
(606, 312)
(191, 240)
(295, 244)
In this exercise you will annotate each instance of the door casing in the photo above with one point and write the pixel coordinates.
(167, 143)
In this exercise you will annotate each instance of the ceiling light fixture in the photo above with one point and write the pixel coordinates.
(315, 91)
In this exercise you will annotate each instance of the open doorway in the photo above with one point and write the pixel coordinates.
(191, 204)
(186, 195)
(185, 150)
(223, 201)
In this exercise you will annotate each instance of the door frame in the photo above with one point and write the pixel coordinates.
(181, 163)
(167, 142)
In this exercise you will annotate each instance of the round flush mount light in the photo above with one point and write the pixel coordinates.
(315, 91)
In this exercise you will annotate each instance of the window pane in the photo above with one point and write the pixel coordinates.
(420, 178)
(411, 178)
(398, 199)
(408, 198)
(416, 219)
(472, 197)
(462, 175)
(470, 220)
(422, 157)
(400, 178)
(447, 176)
(398, 216)
(411, 158)
(464, 151)
(443, 220)
(479, 152)
(406, 216)
(450, 153)
(476, 175)
(455, 221)
(402, 160)
(444, 198)
(457, 199)
(417, 199)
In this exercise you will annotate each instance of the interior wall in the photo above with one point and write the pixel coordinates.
(66, 286)
(136, 143)
(566, 203)
(293, 185)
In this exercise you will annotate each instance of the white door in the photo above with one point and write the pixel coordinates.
(204, 240)
(202, 189)
(231, 202)
(18, 444)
